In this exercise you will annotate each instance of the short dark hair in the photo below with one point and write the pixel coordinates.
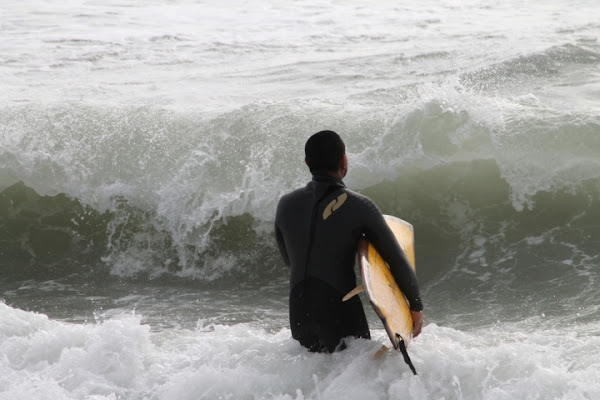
(323, 151)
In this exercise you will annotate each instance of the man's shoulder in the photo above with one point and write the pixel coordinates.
(294, 194)
(294, 197)
(362, 205)
(360, 198)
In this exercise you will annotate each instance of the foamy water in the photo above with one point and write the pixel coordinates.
(144, 147)
(121, 358)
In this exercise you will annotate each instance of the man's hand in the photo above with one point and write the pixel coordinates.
(417, 317)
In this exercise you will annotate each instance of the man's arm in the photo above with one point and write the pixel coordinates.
(281, 246)
(279, 236)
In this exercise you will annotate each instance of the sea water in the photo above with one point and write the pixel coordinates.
(144, 147)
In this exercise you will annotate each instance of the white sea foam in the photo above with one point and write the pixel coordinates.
(121, 358)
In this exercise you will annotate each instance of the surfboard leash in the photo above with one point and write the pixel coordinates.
(402, 347)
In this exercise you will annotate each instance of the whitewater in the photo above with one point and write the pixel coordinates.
(144, 147)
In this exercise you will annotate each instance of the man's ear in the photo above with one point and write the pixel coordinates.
(343, 167)
(344, 161)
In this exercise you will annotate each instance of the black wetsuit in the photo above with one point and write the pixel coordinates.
(318, 228)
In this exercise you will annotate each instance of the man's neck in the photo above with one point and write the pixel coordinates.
(338, 175)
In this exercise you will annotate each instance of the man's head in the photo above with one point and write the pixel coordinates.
(326, 154)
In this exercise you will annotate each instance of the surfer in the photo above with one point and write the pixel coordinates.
(317, 229)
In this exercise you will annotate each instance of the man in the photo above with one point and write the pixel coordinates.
(317, 229)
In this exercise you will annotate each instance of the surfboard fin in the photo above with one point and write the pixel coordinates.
(384, 349)
(353, 292)
(402, 348)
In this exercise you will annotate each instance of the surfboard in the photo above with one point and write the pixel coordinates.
(384, 295)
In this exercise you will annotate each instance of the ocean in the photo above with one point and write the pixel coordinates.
(144, 146)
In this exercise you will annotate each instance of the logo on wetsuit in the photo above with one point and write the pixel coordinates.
(334, 205)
